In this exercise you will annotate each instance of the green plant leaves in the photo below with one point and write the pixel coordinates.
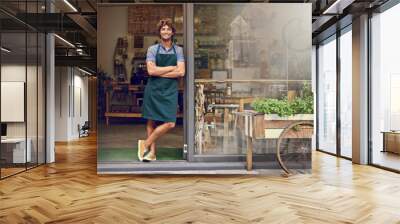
(273, 106)
(303, 105)
(284, 108)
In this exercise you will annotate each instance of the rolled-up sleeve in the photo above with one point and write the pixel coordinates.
(151, 54)
(179, 54)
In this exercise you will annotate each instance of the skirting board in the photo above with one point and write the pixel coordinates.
(183, 167)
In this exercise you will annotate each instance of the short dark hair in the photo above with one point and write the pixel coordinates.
(166, 22)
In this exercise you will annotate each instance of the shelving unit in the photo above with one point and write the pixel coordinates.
(133, 90)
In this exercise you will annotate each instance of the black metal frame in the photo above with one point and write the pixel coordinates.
(44, 76)
(339, 32)
(389, 4)
(369, 115)
(338, 98)
(318, 96)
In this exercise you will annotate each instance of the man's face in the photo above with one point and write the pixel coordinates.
(166, 32)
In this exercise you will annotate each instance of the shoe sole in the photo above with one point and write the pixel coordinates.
(149, 160)
(145, 155)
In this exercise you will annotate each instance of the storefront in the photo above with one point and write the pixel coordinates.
(248, 77)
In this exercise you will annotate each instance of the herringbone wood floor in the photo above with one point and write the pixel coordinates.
(70, 191)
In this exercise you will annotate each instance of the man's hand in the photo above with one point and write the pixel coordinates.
(178, 72)
(154, 70)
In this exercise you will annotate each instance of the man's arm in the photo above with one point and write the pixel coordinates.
(178, 72)
(154, 70)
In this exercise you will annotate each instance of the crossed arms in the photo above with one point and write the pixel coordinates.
(166, 72)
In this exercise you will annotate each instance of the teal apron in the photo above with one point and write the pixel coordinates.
(161, 94)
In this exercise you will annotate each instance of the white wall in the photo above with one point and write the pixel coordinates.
(61, 103)
(108, 31)
(13, 73)
(70, 83)
(79, 117)
(10, 73)
(33, 126)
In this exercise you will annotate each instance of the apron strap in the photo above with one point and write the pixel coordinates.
(158, 48)
(173, 47)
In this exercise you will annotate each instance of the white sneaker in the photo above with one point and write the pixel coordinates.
(141, 150)
(149, 157)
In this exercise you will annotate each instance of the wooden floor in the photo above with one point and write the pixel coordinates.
(70, 191)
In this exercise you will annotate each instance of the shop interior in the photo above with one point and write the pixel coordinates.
(237, 64)
(123, 76)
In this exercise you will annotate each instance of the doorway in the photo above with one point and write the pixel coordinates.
(123, 42)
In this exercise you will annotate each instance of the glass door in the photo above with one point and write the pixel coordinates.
(240, 59)
(327, 94)
(346, 93)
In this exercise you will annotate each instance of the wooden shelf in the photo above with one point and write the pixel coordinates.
(135, 89)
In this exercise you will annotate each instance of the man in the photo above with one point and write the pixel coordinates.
(165, 64)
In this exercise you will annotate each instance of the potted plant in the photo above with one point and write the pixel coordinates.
(274, 115)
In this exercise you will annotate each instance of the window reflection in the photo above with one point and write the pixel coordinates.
(385, 85)
(327, 96)
(244, 52)
(346, 94)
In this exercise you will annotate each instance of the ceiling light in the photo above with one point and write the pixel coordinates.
(5, 50)
(338, 6)
(64, 40)
(84, 71)
(70, 5)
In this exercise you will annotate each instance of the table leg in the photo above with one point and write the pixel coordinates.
(226, 130)
(241, 105)
(249, 156)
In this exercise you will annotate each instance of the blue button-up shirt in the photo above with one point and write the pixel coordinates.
(152, 51)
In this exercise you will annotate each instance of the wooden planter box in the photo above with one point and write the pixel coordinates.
(270, 126)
